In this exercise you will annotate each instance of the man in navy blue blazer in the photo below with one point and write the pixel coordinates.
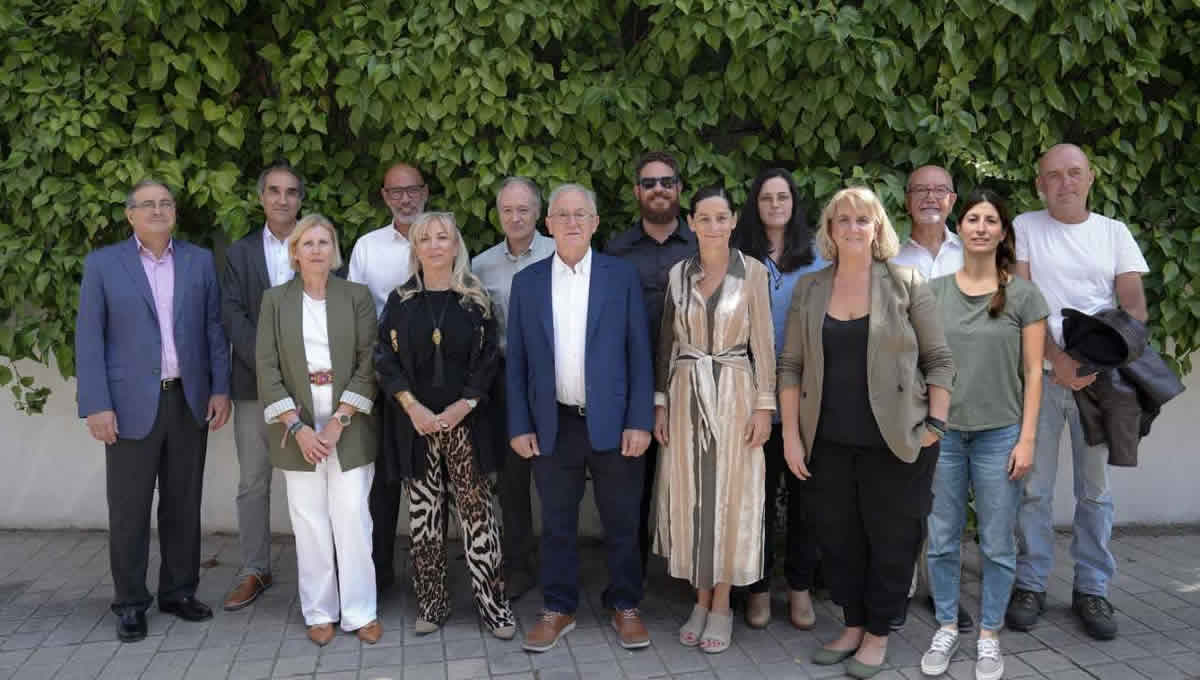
(153, 367)
(580, 398)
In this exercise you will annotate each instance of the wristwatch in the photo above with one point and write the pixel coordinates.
(295, 427)
(471, 403)
(343, 419)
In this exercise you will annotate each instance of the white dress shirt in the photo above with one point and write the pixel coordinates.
(279, 266)
(569, 299)
(380, 260)
(947, 260)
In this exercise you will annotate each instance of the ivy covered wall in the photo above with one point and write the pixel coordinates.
(96, 94)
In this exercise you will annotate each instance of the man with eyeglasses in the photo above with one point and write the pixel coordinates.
(658, 238)
(254, 263)
(580, 399)
(931, 248)
(380, 260)
(153, 368)
(520, 207)
(380, 257)
(1085, 261)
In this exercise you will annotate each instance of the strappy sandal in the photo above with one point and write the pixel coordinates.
(689, 633)
(717, 633)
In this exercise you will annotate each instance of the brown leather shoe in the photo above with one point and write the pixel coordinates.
(548, 630)
(370, 633)
(631, 633)
(321, 633)
(247, 591)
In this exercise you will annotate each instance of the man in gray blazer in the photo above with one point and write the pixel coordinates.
(253, 264)
(153, 366)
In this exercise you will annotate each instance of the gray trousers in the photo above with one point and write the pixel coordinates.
(252, 437)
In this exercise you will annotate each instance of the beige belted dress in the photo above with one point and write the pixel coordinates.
(716, 365)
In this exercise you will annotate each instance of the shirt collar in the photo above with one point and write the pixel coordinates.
(682, 231)
(143, 250)
(951, 240)
(526, 253)
(270, 235)
(581, 268)
(396, 235)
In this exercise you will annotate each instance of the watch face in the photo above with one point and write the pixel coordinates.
(344, 419)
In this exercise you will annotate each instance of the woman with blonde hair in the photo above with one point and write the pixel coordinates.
(865, 378)
(436, 356)
(315, 375)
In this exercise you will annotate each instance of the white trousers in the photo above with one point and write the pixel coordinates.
(329, 514)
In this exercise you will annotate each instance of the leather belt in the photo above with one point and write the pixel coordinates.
(574, 409)
(169, 384)
(321, 378)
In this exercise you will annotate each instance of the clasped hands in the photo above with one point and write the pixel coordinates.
(426, 422)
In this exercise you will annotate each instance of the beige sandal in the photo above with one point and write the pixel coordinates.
(689, 633)
(717, 633)
(800, 609)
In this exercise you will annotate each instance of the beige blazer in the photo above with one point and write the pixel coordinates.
(906, 350)
(283, 368)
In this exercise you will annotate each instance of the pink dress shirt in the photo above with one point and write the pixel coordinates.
(160, 272)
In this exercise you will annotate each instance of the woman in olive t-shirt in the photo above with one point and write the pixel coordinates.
(995, 326)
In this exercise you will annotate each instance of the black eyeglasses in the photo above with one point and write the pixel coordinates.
(668, 182)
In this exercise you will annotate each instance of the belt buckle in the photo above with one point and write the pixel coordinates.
(167, 384)
(581, 410)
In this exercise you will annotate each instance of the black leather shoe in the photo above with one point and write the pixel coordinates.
(131, 625)
(188, 609)
(897, 622)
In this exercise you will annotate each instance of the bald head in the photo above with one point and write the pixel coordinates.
(930, 198)
(405, 193)
(1064, 179)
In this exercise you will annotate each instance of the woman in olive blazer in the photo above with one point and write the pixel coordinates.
(864, 388)
(314, 355)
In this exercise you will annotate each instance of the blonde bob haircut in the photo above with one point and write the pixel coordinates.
(312, 221)
(886, 243)
(462, 281)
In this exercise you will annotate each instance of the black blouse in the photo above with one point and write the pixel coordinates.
(405, 361)
(846, 416)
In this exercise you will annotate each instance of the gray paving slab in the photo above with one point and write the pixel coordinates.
(55, 624)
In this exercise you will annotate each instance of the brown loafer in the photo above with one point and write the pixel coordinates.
(631, 633)
(370, 633)
(247, 591)
(758, 610)
(548, 630)
(321, 633)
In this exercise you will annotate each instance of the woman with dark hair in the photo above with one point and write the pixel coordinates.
(715, 393)
(775, 233)
(995, 325)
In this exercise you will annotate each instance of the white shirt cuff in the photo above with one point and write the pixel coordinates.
(272, 412)
(660, 399)
(358, 401)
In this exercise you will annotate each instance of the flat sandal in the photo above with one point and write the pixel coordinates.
(717, 633)
(689, 633)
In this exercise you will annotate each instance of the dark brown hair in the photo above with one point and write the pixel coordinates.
(1006, 252)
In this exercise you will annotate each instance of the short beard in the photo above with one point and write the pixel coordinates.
(670, 214)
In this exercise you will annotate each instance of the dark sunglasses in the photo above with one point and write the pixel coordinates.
(668, 182)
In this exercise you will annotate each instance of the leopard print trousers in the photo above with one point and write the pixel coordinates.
(452, 454)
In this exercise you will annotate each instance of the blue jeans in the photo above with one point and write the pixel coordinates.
(979, 459)
(1092, 526)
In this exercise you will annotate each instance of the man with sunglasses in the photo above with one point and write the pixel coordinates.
(658, 239)
(380, 257)
(380, 261)
(931, 248)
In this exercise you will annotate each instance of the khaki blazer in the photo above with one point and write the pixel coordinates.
(906, 350)
(283, 368)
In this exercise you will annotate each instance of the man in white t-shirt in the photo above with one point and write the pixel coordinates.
(381, 261)
(380, 257)
(1079, 260)
(931, 248)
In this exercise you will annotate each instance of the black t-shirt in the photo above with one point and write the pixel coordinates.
(846, 416)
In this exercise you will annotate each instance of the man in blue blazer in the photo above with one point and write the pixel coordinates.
(153, 367)
(580, 397)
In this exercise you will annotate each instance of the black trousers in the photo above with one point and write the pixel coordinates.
(171, 456)
(515, 474)
(869, 509)
(561, 478)
(384, 503)
(801, 557)
(645, 536)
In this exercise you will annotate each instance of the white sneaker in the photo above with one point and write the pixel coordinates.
(941, 650)
(989, 665)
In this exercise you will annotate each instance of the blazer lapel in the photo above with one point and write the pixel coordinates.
(821, 289)
(291, 331)
(339, 316)
(182, 262)
(546, 299)
(875, 327)
(259, 262)
(133, 264)
(597, 295)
